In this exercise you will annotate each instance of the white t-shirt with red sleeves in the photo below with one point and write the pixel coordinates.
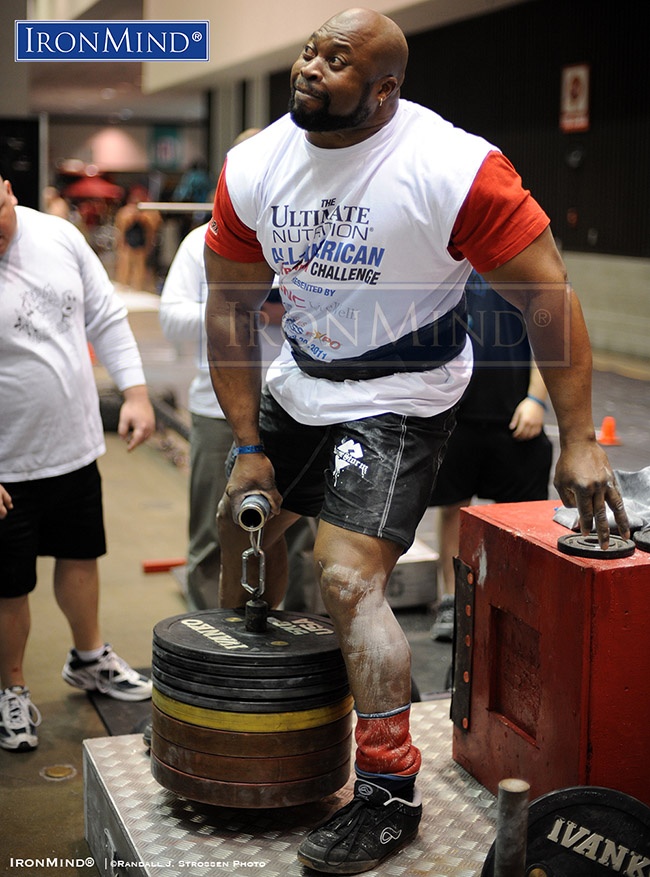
(360, 238)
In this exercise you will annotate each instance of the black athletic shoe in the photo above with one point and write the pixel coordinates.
(360, 835)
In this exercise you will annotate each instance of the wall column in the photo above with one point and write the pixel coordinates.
(257, 104)
(14, 94)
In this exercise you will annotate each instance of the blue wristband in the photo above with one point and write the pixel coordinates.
(249, 449)
(539, 401)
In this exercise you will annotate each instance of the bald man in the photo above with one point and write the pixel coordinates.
(373, 211)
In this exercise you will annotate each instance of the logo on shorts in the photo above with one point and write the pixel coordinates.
(348, 453)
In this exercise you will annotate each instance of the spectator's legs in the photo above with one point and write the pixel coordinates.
(210, 442)
(14, 629)
(448, 542)
(76, 588)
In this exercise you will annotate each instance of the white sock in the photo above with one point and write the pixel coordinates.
(92, 655)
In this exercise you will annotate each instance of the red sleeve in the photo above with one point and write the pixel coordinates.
(226, 233)
(498, 219)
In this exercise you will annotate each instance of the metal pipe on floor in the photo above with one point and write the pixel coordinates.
(512, 828)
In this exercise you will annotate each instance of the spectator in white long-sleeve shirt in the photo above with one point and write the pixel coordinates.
(182, 314)
(56, 299)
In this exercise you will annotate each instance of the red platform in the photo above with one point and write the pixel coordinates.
(554, 657)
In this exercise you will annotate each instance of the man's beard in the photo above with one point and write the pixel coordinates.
(321, 119)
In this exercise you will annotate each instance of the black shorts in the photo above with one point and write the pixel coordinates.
(484, 460)
(51, 517)
(371, 476)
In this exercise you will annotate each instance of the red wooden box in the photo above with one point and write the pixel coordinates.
(552, 681)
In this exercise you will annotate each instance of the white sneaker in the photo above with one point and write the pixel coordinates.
(109, 674)
(19, 719)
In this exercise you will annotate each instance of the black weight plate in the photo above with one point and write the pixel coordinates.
(578, 545)
(186, 668)
(642, 539)
(260, 665)
(323, 681)
(230, 668)
(586, 831)
(216, 695)
(211, 688)
(330, 663)
(235, 705)
(220, 635)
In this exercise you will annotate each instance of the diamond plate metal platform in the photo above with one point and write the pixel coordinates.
(135, 828)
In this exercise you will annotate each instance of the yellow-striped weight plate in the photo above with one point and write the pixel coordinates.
(252, 722)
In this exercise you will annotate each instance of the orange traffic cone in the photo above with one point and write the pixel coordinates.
(607, 434)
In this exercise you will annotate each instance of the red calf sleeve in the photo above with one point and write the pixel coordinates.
(384, 745)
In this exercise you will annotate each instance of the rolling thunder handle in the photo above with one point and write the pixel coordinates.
(252, 516)
(253, 512)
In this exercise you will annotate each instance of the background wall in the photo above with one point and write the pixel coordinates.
(257, 37)
(615, 296)
(491, 66)
(499, 75)
(14, 94)
(116, 148)
(492, 76)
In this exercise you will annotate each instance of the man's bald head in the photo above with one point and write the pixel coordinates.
(346, 81)
(384, 37)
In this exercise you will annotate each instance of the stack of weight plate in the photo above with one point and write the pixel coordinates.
(243, 719)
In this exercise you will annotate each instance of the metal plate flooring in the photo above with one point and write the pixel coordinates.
(135, 828)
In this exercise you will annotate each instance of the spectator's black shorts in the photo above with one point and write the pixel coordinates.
(372, 476)
(52, 517)
(483, 460)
